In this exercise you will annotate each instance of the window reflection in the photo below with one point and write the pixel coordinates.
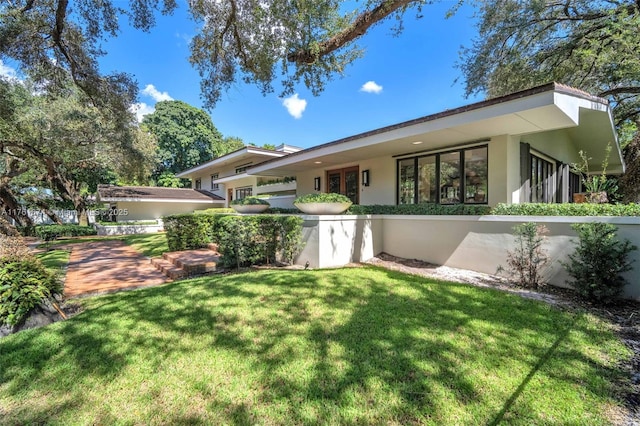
(449, 178)
(475, 175)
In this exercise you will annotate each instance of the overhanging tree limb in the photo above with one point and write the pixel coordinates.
(360, 25)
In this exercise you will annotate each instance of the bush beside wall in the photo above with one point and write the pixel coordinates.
(259, 239)
(566, 209)
(421, 209)
(242, 240)
(51, 232)
(191, 231)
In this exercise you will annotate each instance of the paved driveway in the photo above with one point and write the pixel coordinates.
(107, 266)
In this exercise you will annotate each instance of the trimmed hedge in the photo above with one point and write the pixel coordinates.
(51, 232)
(421, 209)
(259, 239)
(191, 231)
(242, 240)
(566, 209)
(216, 211)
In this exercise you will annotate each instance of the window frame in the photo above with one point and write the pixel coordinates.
(214, 186)
(438, 183)
(243, 192)
(198, 184)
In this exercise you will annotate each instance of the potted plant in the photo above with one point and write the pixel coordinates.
(250, 205)
(322, 203)
(595, 186)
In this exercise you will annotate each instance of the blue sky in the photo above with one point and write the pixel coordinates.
(406, 76)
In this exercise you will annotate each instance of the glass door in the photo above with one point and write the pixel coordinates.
(345, 182)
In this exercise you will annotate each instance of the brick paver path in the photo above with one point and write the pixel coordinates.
(107, 266)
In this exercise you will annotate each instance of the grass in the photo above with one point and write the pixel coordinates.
(151, 245)
(55, 259)
(344, 346)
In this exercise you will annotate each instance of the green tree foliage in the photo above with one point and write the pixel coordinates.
(186, 137)
(589, 44)
(306, 42)
(65, 144)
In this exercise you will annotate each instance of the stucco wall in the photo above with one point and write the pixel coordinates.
(282, 201)
(477, 243)
(156, 210)
(339, 240)
(382, 189)
(556, 144)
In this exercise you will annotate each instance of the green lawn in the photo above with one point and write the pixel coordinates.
(151, 245)
(56, 260)
(345, 346)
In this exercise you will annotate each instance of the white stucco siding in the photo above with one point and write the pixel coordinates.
(382, 173)
(151, 210)
(556, 144)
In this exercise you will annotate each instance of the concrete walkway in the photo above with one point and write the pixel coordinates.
(108, 266)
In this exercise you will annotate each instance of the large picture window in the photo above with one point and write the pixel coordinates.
(448, 178)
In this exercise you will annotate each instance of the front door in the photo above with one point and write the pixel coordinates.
(345, 182)
(229, 196)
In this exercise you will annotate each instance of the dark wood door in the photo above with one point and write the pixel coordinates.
(344, 181)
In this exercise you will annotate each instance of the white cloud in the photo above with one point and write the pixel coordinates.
(371, 87)
(184, 37)
(157, 95)
(141, 109)
(295, 105)
(7, 71)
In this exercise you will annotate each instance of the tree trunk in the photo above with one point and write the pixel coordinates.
(12, 208)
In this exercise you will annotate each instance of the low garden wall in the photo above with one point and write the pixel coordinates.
(477, 243)
(128, 229)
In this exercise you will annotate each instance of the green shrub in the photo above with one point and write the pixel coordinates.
(221, 210)
(528, 258)
(281, 210)
(24, 284)
(322, 197)
(189, 231)
(598, 262)
(566, 209)
(51, 232)
(249, 201)
(239, 245)
(260, 239)
(421, 209)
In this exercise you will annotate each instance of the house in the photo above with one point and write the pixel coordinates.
(131, 203)
(227, 177)
(512, 149)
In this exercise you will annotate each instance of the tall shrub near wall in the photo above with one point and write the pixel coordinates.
(248, 240)
(191, 231)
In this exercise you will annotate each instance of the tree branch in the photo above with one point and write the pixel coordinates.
(359, 26)
(619, 90)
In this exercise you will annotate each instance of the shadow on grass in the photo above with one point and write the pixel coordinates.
(355, 346)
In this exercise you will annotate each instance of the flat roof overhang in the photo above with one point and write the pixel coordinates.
(160, 200)
(551, 107)
(246, 153)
